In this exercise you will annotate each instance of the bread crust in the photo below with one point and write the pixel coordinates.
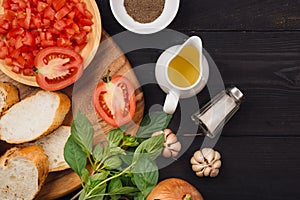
(45, 143)
(60, 113)
(62, 167)
(11, 97)
(33, 153)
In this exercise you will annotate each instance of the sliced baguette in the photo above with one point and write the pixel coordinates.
(34, 117)
(22, 172)
(9, 95)
(53, 146)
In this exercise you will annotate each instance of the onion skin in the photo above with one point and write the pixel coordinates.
(174, 189)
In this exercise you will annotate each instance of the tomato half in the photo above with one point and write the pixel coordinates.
(27, 26)
(114, 100)
(57, 67)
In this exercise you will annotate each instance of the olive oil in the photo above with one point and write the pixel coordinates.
(184, 69)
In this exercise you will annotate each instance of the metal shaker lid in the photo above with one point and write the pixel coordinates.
(236, 93)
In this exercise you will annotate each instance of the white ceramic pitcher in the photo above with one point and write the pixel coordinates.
(173, 91)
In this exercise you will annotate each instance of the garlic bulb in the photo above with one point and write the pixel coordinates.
(206, 162)
(172, 146)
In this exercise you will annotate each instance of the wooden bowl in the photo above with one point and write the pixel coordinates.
(87, 53)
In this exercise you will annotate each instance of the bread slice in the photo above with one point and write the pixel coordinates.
(53, 146)
(34, 117)
(22, 172)
(9, 95)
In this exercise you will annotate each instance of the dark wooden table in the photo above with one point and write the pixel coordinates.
(256, 46)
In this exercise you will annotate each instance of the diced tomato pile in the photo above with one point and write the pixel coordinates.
(27, 26)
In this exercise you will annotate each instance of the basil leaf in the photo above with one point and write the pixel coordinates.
(124, 190)
(98, 177)
(114, 184)
(116, 151)
(82, 195)
(127, 159)
(155, 121)
(114, 137)
(141, 197)
(85, 174)
(113, 162)
(83, 132)
(152, 146)
(98, 152)
(74, 156)
(145, 174)
(98, 192)
(130, 141)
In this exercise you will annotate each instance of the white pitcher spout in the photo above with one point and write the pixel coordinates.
(194, 41)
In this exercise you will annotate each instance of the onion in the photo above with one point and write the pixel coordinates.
(174, 189)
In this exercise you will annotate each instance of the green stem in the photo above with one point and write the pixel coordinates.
(107, 77)
(76, 195)
(90, 160)
(100, 164)
(108, 179)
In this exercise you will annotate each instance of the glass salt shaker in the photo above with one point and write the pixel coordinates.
(213, 115)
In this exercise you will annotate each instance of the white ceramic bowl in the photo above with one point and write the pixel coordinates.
(167, 16)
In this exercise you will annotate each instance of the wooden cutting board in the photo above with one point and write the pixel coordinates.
(109, 56)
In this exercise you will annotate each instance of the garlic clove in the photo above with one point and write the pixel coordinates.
(174, 153)
(167, 132)
(217, 164)
(200, 174)
(171, 139)
(199, 156)
(176, 146)
(197, 168)
(193, 161)
(217, 155)
(157, 133)
(207, 171)
(214, 172)
(208, 154)
(166, 153)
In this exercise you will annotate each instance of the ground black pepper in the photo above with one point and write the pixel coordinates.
(144, 11)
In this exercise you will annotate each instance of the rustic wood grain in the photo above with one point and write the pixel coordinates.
(252, 168)
(227, 15)
(256, 46)
(109, 56)
(264, 65)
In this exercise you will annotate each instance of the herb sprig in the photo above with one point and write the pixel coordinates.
(124, 166)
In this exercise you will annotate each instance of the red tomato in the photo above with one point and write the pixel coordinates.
(114, 100)
(57, 67)
(28, 26)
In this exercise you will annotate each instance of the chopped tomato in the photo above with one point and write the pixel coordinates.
(28, 39)
(59, 25)
(8, 61)
(9, 15)
(57, 67)
(27, 18)
(29, 26)
(86, 22)
(58, 4)
(15, 32)
(3, 52)
(18, 43)
(62, 12)
(16, 69)
(114, 100)
(41, 6)
(49, 13)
